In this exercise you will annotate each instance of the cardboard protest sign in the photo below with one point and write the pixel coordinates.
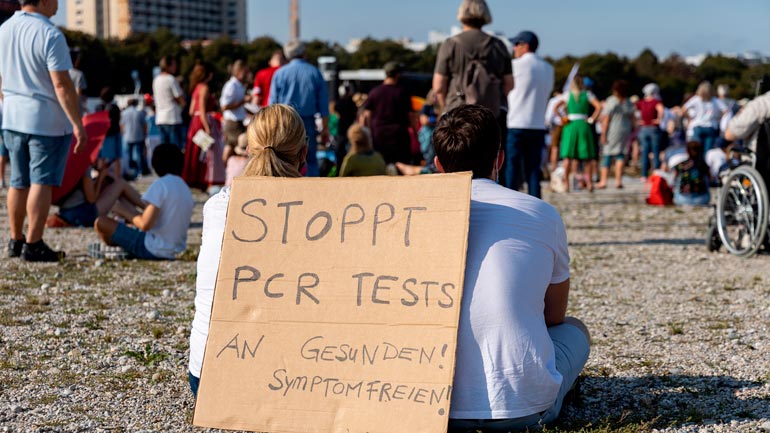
(336, 305)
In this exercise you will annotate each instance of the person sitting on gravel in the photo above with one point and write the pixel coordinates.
(277, 148)
(97, 196)
(160, 231)
(517, 353)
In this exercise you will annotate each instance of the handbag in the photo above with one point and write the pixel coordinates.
(203, 140)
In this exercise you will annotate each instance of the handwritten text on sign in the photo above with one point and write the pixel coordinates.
(336, 305)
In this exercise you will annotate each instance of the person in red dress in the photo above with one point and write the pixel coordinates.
(203, 169)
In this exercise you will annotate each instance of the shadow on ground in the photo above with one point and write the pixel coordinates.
(647, 402)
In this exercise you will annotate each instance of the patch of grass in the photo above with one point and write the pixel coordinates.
(147, 357)
(157, 333)
(676, 328)
(718, 325)
(190, 254)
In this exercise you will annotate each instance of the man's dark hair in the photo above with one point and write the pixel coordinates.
(621, 88)
(106, 94)
(29, 2)
(166, 62)
(167, 159)
(467, 138)
(133, 102)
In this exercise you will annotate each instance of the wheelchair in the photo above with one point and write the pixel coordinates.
(740, 220)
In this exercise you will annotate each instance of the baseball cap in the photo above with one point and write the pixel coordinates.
(526, 37)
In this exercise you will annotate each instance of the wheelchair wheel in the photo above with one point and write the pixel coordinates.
(742, 212)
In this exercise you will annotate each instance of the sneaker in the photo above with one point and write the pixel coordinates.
(40, 252)
(14, 247)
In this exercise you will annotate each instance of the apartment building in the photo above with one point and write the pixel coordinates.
(189, 19)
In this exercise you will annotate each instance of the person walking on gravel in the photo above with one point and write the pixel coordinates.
(42, 110)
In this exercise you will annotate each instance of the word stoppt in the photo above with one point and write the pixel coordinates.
(322, 224)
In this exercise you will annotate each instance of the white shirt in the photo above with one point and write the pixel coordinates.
(704, 114)
(517, 247)
(715, 159)
(746, 123)
(214, 215)
(232, 93)
(165, 90)
(532, 85)
(32, 47)
(168, 236)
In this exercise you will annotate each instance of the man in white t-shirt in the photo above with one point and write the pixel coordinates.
(517, 353)
(532, 84)
(169, 101)
(751, 125)
(232, 103)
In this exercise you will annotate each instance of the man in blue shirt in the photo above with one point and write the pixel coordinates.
(41, 112)
(301, 85)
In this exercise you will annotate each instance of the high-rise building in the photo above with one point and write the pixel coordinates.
(189, 19)
(7, 9)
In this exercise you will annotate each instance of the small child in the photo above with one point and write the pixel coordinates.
(362, 159)
(691, 184)
(161, 230)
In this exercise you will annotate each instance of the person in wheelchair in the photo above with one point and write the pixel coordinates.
(752, 124)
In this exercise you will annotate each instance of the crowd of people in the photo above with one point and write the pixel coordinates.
(490, 111)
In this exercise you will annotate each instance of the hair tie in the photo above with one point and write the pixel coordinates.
(269, 147)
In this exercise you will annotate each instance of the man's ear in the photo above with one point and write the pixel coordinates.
(438, 165)
(500, 159)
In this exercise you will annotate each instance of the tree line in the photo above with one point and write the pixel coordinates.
(110, 62)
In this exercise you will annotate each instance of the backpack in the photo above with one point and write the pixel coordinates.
(660, 192)
(477, 85)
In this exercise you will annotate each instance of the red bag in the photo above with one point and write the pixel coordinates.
(660, 193)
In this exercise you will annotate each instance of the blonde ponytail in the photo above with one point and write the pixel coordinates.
(276, 142)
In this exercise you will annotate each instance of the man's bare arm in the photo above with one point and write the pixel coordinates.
(69, 101)
(556, 297)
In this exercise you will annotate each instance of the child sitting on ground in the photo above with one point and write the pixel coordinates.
(97, 196)
(691, 178)
(362, 159)
(161, 230)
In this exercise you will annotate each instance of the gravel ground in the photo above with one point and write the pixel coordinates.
(680, 335)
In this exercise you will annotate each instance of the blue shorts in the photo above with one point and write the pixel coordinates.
(36, 158)
(571, 347)
(132, 240)
(3, 149)
(82, 215)
(111, 148)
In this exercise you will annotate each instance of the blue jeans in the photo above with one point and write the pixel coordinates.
(172, 134)
(571, 348)
(194, 383)
(36, 159)
(132, 240)
(649, 138)
(312, 143)
(523, 156)
(137, 157)
(691, 199)
(705, 136)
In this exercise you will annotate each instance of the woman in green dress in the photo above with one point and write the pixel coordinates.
(577, 137)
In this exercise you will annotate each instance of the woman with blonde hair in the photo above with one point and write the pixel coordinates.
(704, 112)
(277, 147)
(203, 168)
(577, 137)
(362, 160)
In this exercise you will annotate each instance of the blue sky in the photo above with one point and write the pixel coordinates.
(564, 26)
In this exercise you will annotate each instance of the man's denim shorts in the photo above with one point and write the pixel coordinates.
(3, 149)
(132, 240)
(36, 158)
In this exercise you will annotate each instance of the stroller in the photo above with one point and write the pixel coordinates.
(740, 220)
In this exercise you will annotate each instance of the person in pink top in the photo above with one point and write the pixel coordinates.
(650, 114)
